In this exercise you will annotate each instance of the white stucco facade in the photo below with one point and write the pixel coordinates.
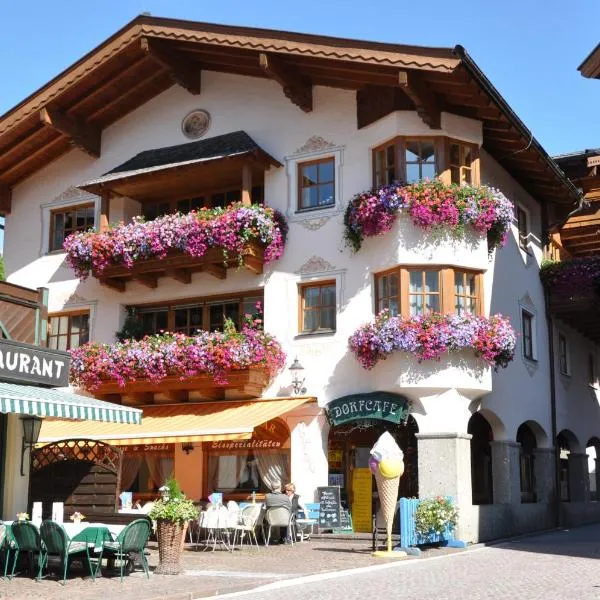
(444, 394)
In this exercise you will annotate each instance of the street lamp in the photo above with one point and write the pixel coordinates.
(31, 433)
(297, 380)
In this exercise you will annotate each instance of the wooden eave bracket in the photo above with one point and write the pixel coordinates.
(82, 135)
(423, 98)
(5, 199)
(185, 72)
(296, 87)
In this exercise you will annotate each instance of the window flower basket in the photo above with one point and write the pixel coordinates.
(435, 518)
(228, 229)
(578, 276)
(172, 515)
(430, 205)
(156, 357)
(429, 337)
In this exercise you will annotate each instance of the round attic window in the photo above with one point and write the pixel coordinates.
(195, 124)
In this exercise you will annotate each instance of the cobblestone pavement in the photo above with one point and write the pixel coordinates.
(206, 573)
(559, 565)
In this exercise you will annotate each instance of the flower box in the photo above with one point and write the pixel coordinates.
(171, 362)
(429, 337)
(177, 245)
(431, 205)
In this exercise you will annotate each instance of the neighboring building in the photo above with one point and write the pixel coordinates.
(303, 123)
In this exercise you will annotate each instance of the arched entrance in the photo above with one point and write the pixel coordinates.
(481, 459)
(356, 422)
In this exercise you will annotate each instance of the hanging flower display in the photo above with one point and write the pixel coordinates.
(431, 205)
(229, 229)
(429, 337)
(577, 275)
(155, 357)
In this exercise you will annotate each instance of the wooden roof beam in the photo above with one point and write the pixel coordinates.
(424, 99)
(184, 71)
(83, 136)
(296, 86)
(5, 199)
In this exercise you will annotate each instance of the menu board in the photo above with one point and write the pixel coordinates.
(345, 521)
(329, 507)
(362, 506)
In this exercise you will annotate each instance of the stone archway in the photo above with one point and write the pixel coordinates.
(481, 459)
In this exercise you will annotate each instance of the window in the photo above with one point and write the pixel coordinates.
(592, 370)
(419, 291)
(465, 293)
(213, 199)
(460, 162)
(203, 314)
(527, 331)
(420, 160)
(70, 220)
(522, 227)
(388, 292)
(318, 307)
(316, 184)
(385, 164)
(563, 357)
(424, 292)
(68, 330)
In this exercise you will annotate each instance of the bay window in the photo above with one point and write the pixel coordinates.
(411, 291)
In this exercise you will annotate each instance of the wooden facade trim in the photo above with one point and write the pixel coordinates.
(184, 72)
(5, 200)
(424, 99)
(296, 86)
(84, 136)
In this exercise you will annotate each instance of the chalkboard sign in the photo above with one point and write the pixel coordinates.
(330, 508)
(345, 522)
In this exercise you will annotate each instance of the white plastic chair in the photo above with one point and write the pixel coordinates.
(247, 524)
(280, 516)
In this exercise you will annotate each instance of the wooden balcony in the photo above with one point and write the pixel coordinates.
(578, 310)
(241, 385)
(180, 266)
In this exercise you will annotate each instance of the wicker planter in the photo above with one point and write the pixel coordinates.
(171, 535)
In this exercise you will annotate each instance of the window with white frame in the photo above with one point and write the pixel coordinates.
(563, 354)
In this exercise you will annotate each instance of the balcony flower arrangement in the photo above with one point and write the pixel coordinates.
(434, 516)
(574, 276)
(429, 337)
(156, 357)
(229, 229)
(431, 205)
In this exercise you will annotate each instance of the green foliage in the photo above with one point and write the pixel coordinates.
(2, 271)
(176, 508)
(433, 515)
(132, 327)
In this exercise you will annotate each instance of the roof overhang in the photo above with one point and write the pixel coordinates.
(590, 67)
(150, 54)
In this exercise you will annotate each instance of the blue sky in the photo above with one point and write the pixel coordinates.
(530, 49)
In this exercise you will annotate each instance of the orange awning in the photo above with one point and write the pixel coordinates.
(202, 422)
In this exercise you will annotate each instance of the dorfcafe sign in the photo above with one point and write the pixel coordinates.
(24, 363)
(379, 406)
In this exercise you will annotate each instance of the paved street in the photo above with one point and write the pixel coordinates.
(562, 565)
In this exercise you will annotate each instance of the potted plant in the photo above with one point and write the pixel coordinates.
(22, 516)
(77, 517)
(433, 517)
(172, 513)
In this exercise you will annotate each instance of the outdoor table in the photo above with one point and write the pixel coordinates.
(94, 534)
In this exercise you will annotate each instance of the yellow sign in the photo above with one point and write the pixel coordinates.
(362, 504)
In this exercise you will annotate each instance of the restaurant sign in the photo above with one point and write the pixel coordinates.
(379, 406)
(24, 363)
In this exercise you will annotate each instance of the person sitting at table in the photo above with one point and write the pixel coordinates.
(275, 499)
(297, 502)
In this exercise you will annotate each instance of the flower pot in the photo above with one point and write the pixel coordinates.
(76, 520)
(171, 535)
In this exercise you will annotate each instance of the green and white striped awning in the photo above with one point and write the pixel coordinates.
(44, 402)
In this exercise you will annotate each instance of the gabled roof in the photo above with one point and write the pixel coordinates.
(590, 67)
(150, 54)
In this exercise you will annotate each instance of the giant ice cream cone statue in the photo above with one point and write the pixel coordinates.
(387, 464)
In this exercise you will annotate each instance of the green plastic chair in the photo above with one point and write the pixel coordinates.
(26, 538)
(58, 543)
(132, 539)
